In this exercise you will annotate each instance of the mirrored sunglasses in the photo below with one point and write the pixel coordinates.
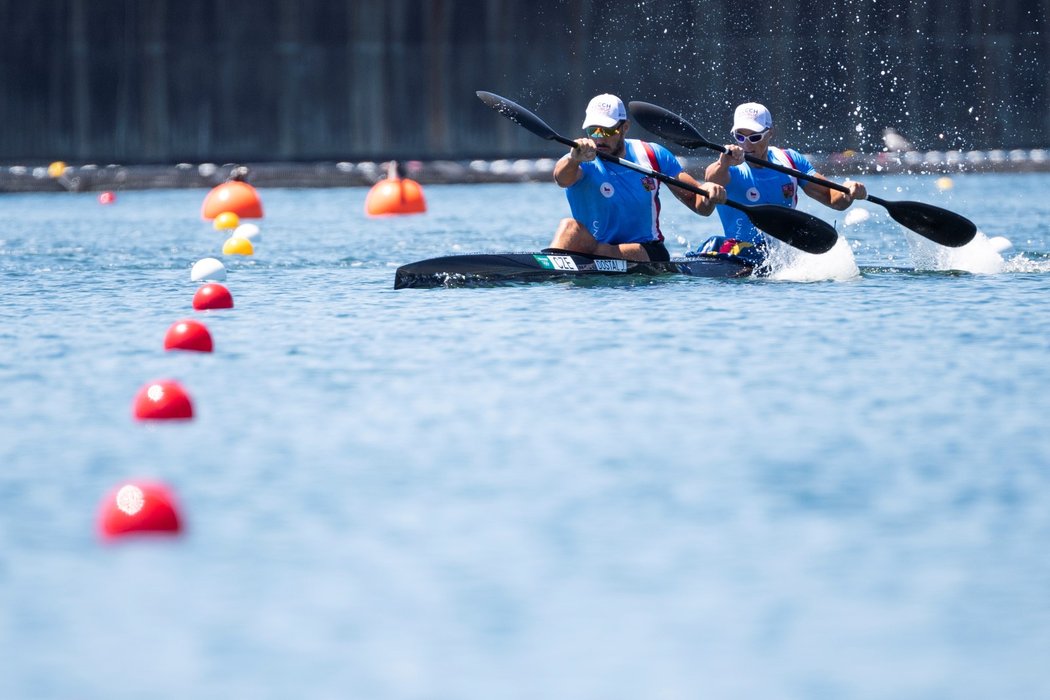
(601, 132)
(753, 138)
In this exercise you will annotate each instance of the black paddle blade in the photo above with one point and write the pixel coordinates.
(939, 225)
(668, 125)
(518, 114)
(796, 228)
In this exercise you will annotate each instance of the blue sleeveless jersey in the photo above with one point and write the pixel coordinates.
(619, 205)
(749, 185)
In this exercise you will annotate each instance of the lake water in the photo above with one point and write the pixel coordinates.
(830, 484)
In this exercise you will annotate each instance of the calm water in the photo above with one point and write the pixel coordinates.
(833, 484)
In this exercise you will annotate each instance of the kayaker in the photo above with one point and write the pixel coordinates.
(752, 133)
(615, 210)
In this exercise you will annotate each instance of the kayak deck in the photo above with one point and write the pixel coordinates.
(491, 269)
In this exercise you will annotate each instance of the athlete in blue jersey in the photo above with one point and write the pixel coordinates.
(615, 210)
(749, 184)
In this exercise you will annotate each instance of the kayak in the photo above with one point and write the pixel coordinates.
(491, 269)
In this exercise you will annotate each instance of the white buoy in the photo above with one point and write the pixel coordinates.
(208, 269)
(1000, 243)
(249, 232)
(855, 216)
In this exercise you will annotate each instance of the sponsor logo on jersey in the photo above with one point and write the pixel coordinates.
(649, 183)
(752, 194)
(788, 190)
(607, 189)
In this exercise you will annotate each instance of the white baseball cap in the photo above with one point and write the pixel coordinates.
(752, 116)
(605, 110)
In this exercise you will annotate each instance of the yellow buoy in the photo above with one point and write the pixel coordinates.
(237, 246)
(945, 183)
(226, 220)
(56, 169)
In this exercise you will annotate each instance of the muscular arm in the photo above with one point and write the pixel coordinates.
(701, 205)
(567, 170)
(718, 172)
(834, 198)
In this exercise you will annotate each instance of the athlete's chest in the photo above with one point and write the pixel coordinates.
(613, 180)
(764, 185)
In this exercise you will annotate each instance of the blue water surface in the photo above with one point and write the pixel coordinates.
(654, 488)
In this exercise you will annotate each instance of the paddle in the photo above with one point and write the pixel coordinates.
(939, 225)
(799, 229)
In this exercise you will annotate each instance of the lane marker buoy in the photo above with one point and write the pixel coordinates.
(855, 216)
(139, 507)
(249, 232)
(164, 399)
(208, 269)
(1000, 244)
(226, 220)
(233, 196)
(212, 296)
(395, 195)
(237, 246)
(188, 335)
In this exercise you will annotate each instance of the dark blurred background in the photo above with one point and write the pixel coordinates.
(163, 81)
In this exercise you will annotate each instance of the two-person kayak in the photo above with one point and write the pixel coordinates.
(488, 269)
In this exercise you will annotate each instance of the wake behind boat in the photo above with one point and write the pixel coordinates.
(489, 269)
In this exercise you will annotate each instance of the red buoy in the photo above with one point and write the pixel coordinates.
(188, 335)
(107, 198)
(234, 196)
(395, 195)
(139, 507)
(162, 400)
(212, 296)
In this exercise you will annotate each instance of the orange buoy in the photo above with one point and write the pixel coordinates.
(234, 196)
(137, 507)
(395, 195)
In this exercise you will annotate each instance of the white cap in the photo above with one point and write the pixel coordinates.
(752, 116)
(605, 110)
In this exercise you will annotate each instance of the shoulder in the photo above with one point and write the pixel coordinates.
(643, 146)
(668, 161)
(659, 149)
(663, 153)
(798, 158)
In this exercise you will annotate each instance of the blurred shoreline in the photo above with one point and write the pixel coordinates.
(97, 178)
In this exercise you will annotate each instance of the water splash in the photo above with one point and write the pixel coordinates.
(792, 265)
(982, 255)
(1027, 263)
